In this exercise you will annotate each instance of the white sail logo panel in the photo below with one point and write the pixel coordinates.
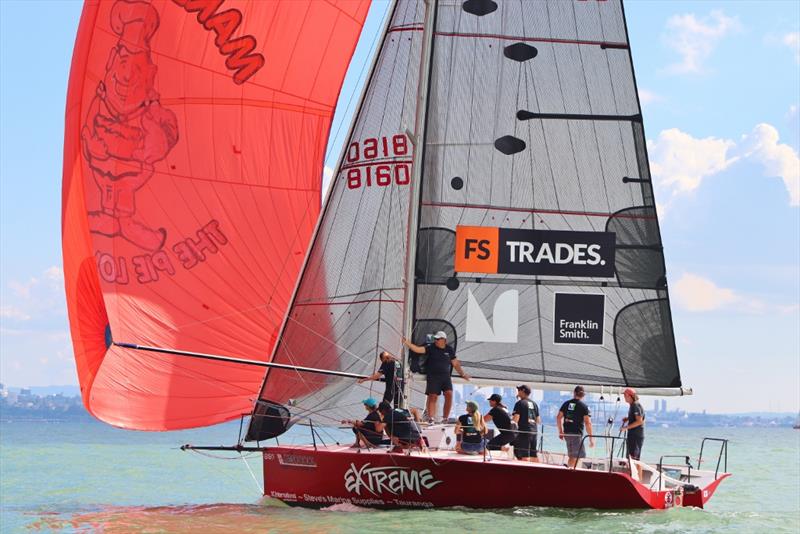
(535, 134)
(505, 319)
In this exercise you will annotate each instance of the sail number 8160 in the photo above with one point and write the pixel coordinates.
(373, 171)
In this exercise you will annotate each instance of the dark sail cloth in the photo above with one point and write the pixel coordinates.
(502, 421)
(635, 438)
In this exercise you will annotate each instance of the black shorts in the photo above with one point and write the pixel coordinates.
(438, 384)
(525, 445)
(635, 442)
(501, 439)
(371, 437)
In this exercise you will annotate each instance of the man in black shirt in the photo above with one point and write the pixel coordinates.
(390, 371)
(634, 424)
(369, 432)
(498, 414)
(572, 416)
(526, 415)
(402, 430)
(441, 359)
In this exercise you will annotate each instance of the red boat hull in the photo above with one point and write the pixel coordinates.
(324, 477)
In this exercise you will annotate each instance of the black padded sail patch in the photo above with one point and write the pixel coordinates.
(479, 7)
(509, 145)
(520, 52)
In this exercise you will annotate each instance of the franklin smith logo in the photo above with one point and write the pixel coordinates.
(393, 479)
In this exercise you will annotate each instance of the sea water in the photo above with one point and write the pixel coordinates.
(87, 477)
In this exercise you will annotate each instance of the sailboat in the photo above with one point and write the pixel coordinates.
(494, 185)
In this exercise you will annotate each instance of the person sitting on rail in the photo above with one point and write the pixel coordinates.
(390, 371)
(403, 431)
(572, 417)
(470, 430)
(526, 415)
(369, 432)
(498, 414)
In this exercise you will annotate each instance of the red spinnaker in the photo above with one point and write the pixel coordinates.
(194, 143)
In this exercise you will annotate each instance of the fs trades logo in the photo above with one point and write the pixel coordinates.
(482, 249)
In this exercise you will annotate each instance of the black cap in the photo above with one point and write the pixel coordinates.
(495, 397)
(384, 407)
(524, 388)
(579, 390)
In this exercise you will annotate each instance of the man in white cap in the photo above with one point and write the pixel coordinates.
(439, 364)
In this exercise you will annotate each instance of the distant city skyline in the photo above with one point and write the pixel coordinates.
(719, 84)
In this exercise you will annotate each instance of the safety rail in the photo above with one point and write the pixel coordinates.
(613, 439)
(723, 453)
(661, 465)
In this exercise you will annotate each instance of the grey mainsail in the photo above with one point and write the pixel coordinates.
(537, 242)
(535, 125)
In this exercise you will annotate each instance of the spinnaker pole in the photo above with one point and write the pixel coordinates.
(418, 140)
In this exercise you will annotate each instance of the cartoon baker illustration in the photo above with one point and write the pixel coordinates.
(126, 129)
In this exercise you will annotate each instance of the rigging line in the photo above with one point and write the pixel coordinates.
(358, 85)
(216, 357)
(260, 488)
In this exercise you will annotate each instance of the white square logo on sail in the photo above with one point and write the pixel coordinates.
(505, 319)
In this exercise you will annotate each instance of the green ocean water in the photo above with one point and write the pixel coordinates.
(88, 477)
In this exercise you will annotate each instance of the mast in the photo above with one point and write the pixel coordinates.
(418, 140)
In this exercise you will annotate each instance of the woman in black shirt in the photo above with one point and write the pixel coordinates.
(471, 428)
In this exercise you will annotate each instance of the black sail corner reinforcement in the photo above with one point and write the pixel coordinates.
(457, 183)
(520, 52)
(479, 8)
(509, 145)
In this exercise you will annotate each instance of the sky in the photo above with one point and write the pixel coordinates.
(720, 88)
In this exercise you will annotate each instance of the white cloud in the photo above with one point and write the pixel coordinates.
(694, 39)
(697, 294)
(23, 289)
(792, 40)
(11, 312)
(647, 97)
(761, 145)
(680, 162)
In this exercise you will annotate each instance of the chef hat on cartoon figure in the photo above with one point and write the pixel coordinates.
(135, 23)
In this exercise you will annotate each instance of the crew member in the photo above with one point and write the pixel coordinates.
(572, 417)
(498, 414)
(369, 432)
(526, 416)
(471, 429)
(441, 359)
(634, 424)
(402, 431)
(390, 371)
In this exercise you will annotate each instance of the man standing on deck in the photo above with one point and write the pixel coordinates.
(634, 427)
(572, 416)
(526, 415)
(391, 372)
(441, 359)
